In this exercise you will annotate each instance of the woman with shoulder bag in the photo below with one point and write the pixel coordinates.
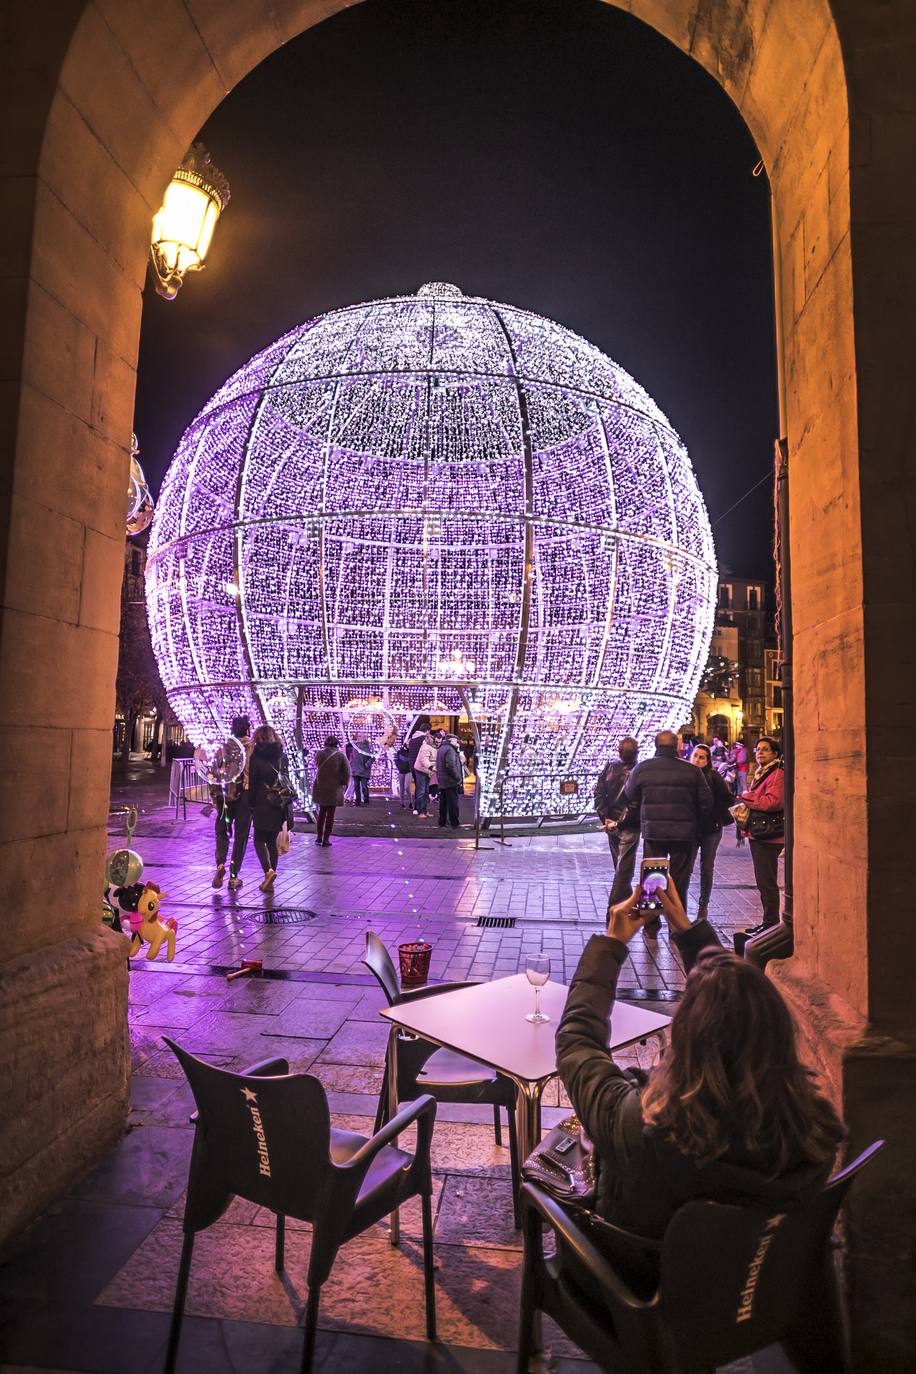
(765, 799)
(269, 799)
(711, 834)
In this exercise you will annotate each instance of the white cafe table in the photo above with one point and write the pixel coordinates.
(488, 1022)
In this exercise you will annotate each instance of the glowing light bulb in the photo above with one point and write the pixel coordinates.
(563, 561)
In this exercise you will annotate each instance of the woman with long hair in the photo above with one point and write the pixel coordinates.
(268, 763)
(765, 799)
(730, 1113)
(710, 827)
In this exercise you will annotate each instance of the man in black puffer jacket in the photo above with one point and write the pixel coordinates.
(673, 799)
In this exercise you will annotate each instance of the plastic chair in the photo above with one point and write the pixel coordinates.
(266, 1135)
(425, 1068)
(730, 1281)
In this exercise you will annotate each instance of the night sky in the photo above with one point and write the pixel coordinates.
(561, 157)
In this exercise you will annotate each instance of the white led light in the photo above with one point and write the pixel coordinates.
(435, 502)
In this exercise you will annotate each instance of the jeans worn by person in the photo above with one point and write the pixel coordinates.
(708, 848)
(241, 830)
(421, 791)
(765, 855)
(623, 845)
(325, 824)
(265, 846)
(225, 814)
(448, 807)
(404, 788)
(361, 788)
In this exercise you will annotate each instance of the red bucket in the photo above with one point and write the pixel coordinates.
(414, 961)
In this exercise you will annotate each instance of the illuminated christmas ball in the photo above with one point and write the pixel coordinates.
(435, 504)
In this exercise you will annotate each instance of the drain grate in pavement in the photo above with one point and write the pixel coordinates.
(497, 922)
(285, 916)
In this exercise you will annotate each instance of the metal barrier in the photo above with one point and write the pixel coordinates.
(186, 785)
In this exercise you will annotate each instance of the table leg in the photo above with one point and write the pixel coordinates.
(392, 1062)
(528, 1116)
(528, 1130)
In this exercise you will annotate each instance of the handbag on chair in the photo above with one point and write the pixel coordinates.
(563, 1164)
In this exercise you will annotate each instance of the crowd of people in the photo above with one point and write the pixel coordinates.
(430, 767)
(711, 1119)
(679, 807)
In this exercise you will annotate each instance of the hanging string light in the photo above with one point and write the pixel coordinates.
(435, 499)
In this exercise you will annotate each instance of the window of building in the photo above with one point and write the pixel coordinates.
(725, 595)
(754, 598)
(135, 562)
(755, 650)
(755, 680)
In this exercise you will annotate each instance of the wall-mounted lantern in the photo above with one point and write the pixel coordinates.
(183, 225)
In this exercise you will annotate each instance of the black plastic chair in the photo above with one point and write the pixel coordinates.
(425, 1068)
(266, 1135)
(730, 1281)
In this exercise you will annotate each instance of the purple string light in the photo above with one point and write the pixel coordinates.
(435, 502)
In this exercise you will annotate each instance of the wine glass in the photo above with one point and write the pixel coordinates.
(537, 971)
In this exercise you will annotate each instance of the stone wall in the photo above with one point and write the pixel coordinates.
(100, 99)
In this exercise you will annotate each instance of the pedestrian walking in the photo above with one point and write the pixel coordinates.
(226, 802)
(765, 826)
(332, 775)
(268, 766)
(619, 817)
(673, 801)
(741, 760)
(361, 768)
(711, 827)
(450, 776)
(241, 819)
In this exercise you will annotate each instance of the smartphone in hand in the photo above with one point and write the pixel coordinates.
(653, 874)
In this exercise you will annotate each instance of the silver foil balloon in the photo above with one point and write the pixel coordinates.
(139, 500)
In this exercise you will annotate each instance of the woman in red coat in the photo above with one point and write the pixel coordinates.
(766, 796)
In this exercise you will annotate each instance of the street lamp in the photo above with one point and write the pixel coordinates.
(183, 225)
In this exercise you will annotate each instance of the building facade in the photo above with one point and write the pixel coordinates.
(741, 693)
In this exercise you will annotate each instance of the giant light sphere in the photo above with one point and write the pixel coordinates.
(435, 502)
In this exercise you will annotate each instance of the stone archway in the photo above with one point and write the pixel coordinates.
(107, 97)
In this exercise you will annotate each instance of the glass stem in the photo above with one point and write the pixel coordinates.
(537, 1001)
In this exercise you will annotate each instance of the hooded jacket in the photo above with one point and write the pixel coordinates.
(643, 1178)
(673, 798)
